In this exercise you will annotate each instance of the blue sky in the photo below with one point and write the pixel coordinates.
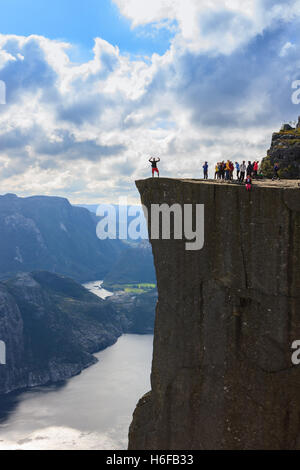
(82, 122)
(79, 22)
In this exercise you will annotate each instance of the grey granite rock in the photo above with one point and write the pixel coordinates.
(222, 376)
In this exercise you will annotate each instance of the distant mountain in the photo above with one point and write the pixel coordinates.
(90, 207)
(135, 265)
(51, 326)
(93, 207)
(137, 310)
(48, 233)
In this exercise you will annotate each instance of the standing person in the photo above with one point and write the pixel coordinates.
(154, 161)
(217, 171)
(237, 167)
(227, 170)
(248, 183)
(220, 166)
(255, 169)
(231, 169)
(205, 170)
(276, 169)
(223, 170)
(249, 169)
(242, 171)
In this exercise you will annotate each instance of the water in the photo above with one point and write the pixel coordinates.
(91, 411)
(96, 288)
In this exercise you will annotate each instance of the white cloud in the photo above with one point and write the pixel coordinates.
(286, 48)
(214, 26)
(86, 131)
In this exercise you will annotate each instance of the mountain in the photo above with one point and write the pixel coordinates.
(227, 316)
(90, 207)
(136, 310)
(123, 221)
(135, 265)
(51, 327)
(48, 233)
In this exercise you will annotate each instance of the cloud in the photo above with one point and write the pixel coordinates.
(67, 147)
(219, 26)
(24, 66)
(86, 130)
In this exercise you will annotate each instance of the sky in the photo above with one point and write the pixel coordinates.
(94, 88)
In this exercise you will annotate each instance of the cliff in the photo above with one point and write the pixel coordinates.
(222, 376)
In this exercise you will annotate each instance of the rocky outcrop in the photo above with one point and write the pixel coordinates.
(284, 150)
(51, 327)
(222, 376)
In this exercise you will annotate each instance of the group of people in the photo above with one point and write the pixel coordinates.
(225, 171)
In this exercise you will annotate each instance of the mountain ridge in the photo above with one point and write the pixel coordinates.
(48, 233)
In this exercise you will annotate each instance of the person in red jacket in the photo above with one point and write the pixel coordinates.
(255, 169)
(248, 183)
(154, 162)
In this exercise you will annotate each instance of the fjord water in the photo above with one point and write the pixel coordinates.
(90, 411)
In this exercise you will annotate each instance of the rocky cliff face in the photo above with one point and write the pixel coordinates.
(222, 376)
(285, 150)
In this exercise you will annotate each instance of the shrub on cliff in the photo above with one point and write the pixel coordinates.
(266, 167)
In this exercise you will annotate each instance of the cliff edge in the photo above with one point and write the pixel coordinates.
(227, 315)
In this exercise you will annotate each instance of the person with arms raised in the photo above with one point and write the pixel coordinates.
(154, 161)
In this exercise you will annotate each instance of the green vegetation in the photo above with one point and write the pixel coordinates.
(268, 171)
(293, 141)
(139, 288)
(287, 172)
(136, 288)
(291, 131)
(266, 167)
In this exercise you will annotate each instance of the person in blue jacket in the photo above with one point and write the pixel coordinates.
(205, 170)
(237, 167)
(276, 169)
